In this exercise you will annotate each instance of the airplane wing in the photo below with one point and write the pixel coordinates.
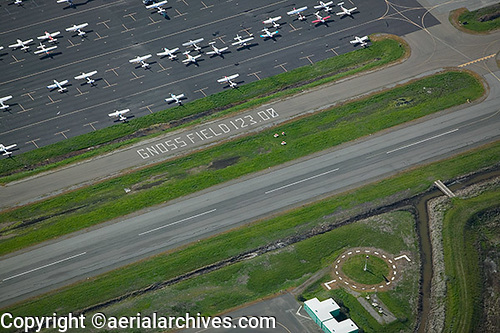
(46, 50)
(234, 76)
(271, 20)
(52, 86)
(156, 5)
(118, 113)
(296, 11)
(85, 75)
(364, 38)
(15, 45)
(62, 83)
(10, 147)
(6, 98)
(192, 42)
(73, 28)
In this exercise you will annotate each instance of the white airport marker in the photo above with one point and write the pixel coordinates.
(44, 266)
(418, 142)
(301, 181)
(183, 220)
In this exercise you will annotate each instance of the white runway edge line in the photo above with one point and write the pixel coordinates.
(187, 218)
(418, 142)
(300, 181)
(44, 266)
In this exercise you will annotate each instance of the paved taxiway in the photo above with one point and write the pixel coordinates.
(121, 30)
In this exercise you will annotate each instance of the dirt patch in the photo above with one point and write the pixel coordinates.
(221, 164)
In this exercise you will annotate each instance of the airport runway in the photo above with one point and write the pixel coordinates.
(132, 238)
(121, 30)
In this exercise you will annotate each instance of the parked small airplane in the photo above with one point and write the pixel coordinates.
(194, 44)
(345, 11)
(216, 51)
(58, 85)
(140, 60)
(49, 36)
(320, 19)
(1, 47)
(120, 114)
(18, 2)
(45, 49)
(5, 149)
(268, 34)
(298, 12)
(23, 45)
(4, 106)
(175, 98)
(361, 41)
(189, 58)
(158, 6)
(273, 21)
(78, 28)
(325, 6)
(241, 42)
(228, 80)
(86, 76)
(69, 2)
(170, 53)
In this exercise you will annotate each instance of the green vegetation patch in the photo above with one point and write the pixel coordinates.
(154, 185)
(376, 271)
(481, 20)
(462, 238)
(380, 53)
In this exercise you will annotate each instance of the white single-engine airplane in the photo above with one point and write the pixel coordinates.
(175, 98)
(242, 42)
(5, 149)
(69, 2)
(320, 19)
(158, 6)
(120, 114)
(189, 58)
(169, 53)
(298, 12)
(216, 51)
(345, 11)
(18, 2)
(273, 21)
(49, 36)
(2, 100)
(86, 76)
(141, 60)
(23, 45)
(268, 34)
(229, 80)
(360, 40)
(78, 28)
(194, 44)
(58, 85)
(325, 6)
(44, 49)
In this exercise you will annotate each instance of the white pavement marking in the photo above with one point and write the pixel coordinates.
(183, 220)
(421, 141)
(44, 266)
(403, 256)
(301, 181)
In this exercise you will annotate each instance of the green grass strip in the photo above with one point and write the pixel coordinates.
(462, 262)
(380, 53)
(163, 267)
(107, 200)
(482, 20)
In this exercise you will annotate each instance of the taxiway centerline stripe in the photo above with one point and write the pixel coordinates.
(183, 220)
(421, 141)
(44, 266)
(301, 181)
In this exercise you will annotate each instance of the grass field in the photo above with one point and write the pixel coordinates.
(376, 269)
(461, 240)
(101, 202)
(482, 20)
(172, 264)
(382, 51)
